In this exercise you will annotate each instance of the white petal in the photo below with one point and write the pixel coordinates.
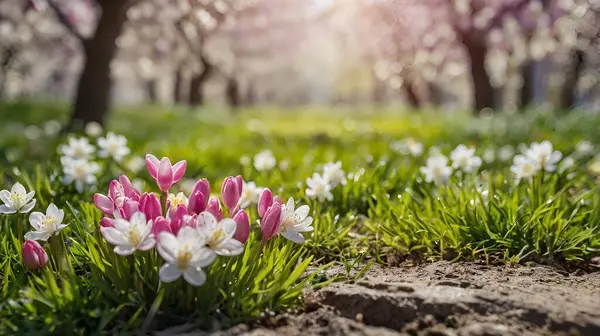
(113, 236)
(168, 246)
(5, 197)
(52, 211)
(147, 244)
(27, 207)
(194, 276)
(206, 222)
(305, 222)
(301, 212)
(19, 189)
(36, 219)
(203, 257)
(37, 235)
(169, 273)
(6, 210)
(124, 250)
(230, 247)
(121, 225)
(293, 236)
(60, 227)
(228, 226)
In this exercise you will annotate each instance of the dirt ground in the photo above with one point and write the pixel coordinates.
(447, 298)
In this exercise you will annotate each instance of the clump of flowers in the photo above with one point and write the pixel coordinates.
(437, 170)
(407, 146)
(464, 158)
(188, 231)
(264, 161)
(284, 219)
(321, 185)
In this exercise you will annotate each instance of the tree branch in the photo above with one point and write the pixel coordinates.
(64, 20)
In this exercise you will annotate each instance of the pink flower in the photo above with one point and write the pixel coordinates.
(214, 207)
(34, 256)
(159, 225)
(269, 224)
(178, 218)
(163, 172)
(199, 197)
(150, 206)
(243, 226)
(265, 201)
(129, 208)
(232, 191)
(118, 193)
(106, 222)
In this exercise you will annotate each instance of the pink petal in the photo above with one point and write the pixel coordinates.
(152, 165)
(179, 170)
(165, 175)
(104, 203)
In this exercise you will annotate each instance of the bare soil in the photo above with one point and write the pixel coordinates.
(447, 298)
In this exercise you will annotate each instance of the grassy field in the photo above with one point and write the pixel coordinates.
(387, 209)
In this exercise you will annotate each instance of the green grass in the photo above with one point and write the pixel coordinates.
(386, 210)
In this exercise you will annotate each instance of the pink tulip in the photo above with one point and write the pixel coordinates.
(105, 204)
(150, 206)
(243, 226)
(199, 197)
(177, 218)
(163, 172)
(129, 208)
(106, 222)
(159, 225)
(215, 208)
(34, 256)
(264, 202)
(118, 193)
(269, 224)
(230, 193)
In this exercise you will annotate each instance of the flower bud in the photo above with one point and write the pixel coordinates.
(105, 204)
(215, 208)
(159, 225)
(34, 256)
(106, 222)
(264, 202)
(150, 206)
(269, 224)
(230, 193)
(243, 226)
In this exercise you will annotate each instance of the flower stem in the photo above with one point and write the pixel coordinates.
(163, 202)
(20, 229)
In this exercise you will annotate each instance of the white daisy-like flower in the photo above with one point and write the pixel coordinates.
(566, 164)
(332, 171)
(505, 153)
(46, 225)
(17, 199)
(250, 194)
(130, 235)
(584, 147)
(218, 236)
(113, 146)
(408, 146)
(318, 188)
(524, 167)
(437, 170)
(79, 171)
(464, 158)
(135, 164)
(77, 148)
(264, 161)
(489, 155)
(184, 254)
(544, 155)
(93, 129)
(295, 221)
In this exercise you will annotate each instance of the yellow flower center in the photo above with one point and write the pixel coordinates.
(134, 237)
(287, 223)
(49, 222)
(16, 199)
(215, 239)
(184, 255)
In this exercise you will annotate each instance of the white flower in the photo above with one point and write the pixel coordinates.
(264, 161)
(485, 196)
(46, 225)
(77, 148)
(135, 164)
(544, 155)
(175, 200)
(334, 174)
(489, 155)
(524, 167)
(566, 164)
(184, 255)
(17, 199)
(407, 146)
(505, 153)
(319, 188)
(294, 222)
(32, 132)
(218, 236)
(93, 129)
(129, 236)
(464, 158)
(114, 146)
(584, 147)
(52, 127)
(250, 194)
(437, 170)
(244, 160)
(80, 171)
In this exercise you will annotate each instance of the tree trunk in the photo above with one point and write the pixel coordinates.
(410, 92)
(482, 85)
(568, 93)
(198, 82)
(232, 93)
(178, 82)
(151, 90)
(95, 82)
(526, 92)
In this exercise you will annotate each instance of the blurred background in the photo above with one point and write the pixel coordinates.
(446, 55)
